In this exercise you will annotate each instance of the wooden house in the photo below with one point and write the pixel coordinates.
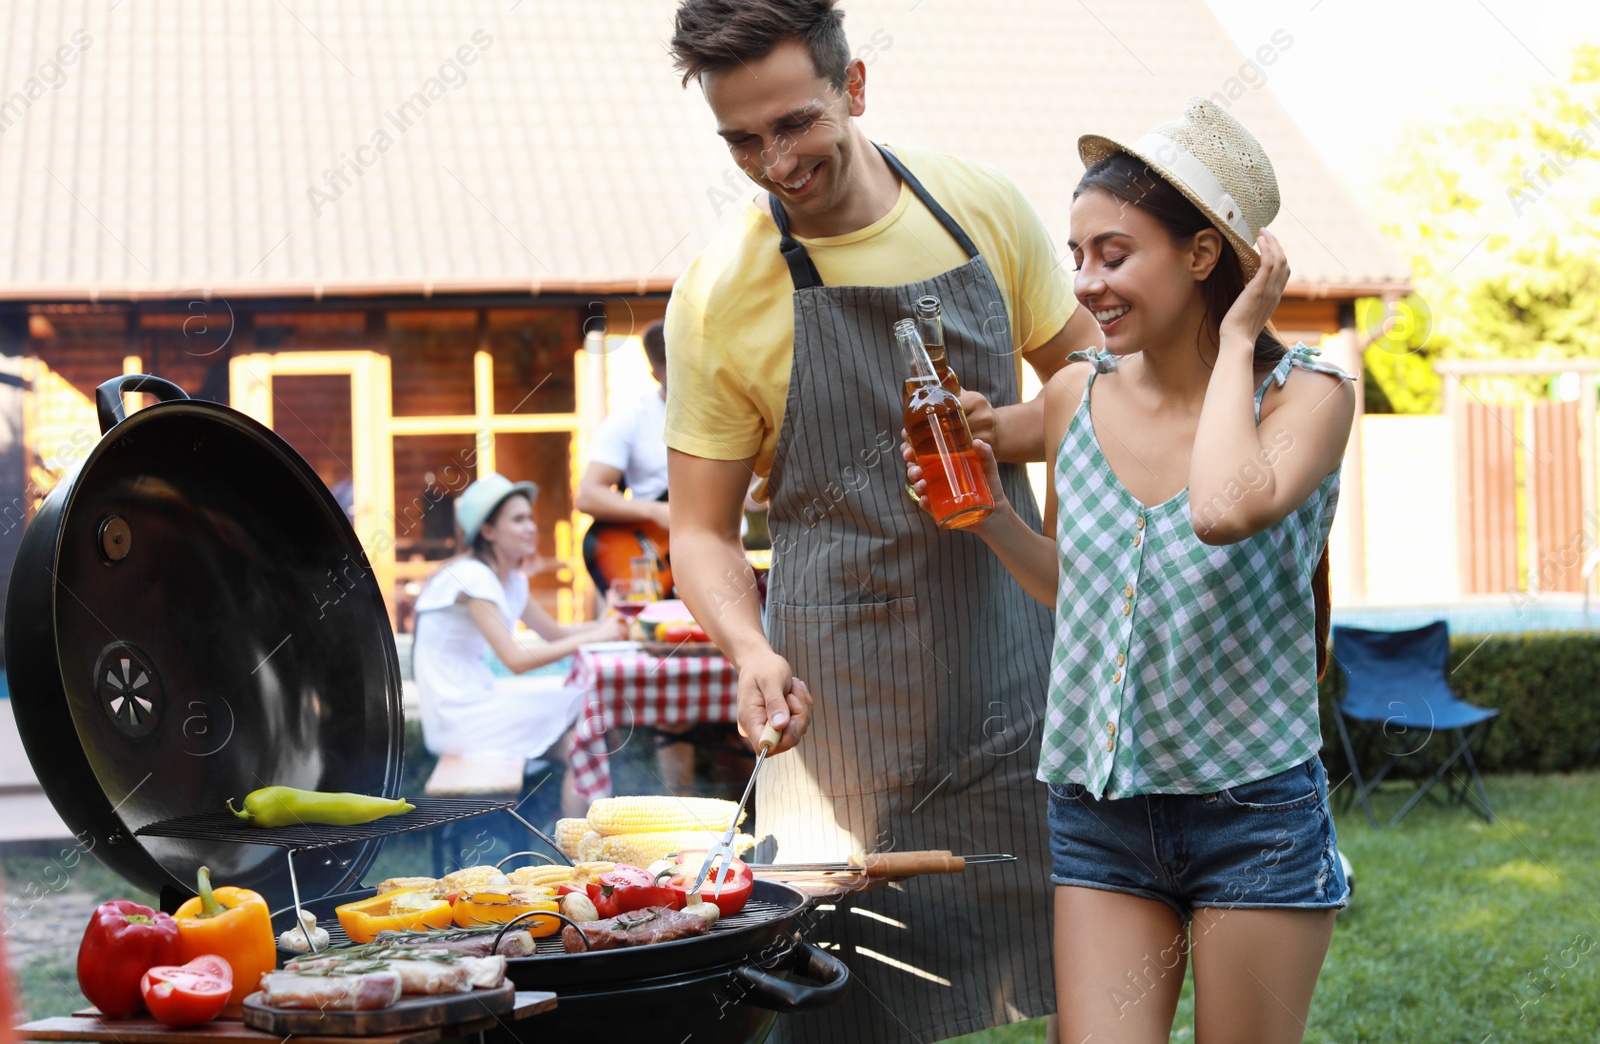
(409, 236)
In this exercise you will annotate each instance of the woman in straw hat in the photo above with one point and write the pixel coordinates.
(472, 605)
(1195, 473)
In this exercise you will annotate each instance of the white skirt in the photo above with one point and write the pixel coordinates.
(524, 716)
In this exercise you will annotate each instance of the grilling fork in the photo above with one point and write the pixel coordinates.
(723, 850)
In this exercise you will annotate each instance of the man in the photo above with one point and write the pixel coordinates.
(629, 452)
(927, 661)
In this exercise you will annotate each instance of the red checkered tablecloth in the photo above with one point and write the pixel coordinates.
(628, 688)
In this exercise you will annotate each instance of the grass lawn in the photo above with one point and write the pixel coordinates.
(1460, 931)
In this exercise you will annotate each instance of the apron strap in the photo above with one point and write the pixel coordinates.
(804, 272)
(801, 268)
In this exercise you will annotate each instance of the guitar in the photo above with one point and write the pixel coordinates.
(617, 544)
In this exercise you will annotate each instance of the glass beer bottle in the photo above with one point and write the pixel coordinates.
(936, 427)
(930, 324)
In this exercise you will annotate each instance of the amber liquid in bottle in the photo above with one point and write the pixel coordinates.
(936, 427)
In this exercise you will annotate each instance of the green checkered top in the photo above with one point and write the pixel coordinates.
(1178, 668)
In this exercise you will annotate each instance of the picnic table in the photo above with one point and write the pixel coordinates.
(627, 688)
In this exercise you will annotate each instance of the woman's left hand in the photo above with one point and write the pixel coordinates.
(612, 629)
(1260, 297)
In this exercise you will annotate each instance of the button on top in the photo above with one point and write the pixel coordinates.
(1138, 523)
(1127, 592)
(1111, 727)
(1121, 659)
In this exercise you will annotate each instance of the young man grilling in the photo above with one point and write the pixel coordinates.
(911, 664)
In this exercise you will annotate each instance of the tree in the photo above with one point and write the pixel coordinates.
(1498, 211)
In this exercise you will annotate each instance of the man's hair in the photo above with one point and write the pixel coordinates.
(712, 35)
(654, 339)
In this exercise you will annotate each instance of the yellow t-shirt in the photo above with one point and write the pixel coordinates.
(730, 323)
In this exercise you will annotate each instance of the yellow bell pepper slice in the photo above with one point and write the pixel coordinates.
(482, 908)
(364, 919)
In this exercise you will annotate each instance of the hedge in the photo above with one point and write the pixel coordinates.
(1546, 686)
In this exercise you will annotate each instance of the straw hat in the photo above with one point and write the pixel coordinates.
(478, 501)
(1209, 157)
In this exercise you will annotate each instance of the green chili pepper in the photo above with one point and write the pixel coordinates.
(285, 806)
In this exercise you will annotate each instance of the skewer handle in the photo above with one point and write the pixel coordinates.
(905, 864)
(770, 738)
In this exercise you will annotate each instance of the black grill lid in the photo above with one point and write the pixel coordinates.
(191, 618)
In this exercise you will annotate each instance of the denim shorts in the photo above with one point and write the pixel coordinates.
(1259, 845)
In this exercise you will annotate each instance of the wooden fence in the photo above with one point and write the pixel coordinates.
(1525, 479)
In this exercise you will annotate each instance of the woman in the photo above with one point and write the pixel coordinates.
(472, 603)
(1195, 472)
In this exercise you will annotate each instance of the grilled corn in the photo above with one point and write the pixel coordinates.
(568, 833)
(644, 849)
(652, 814)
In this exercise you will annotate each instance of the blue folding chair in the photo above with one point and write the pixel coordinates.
(1395, 684)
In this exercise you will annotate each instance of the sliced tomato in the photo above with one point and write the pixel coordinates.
(629, 888)
(186, 995)
(738, 881)
(212, 965)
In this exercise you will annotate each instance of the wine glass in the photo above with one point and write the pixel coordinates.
(629, 595)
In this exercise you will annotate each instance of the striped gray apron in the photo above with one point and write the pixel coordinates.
(928, 664)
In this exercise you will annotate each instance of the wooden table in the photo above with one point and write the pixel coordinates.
(88, 1025)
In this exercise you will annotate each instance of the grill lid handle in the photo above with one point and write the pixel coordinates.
(775, 994)
(108, 396)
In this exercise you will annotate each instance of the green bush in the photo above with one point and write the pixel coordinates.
(1545, 685)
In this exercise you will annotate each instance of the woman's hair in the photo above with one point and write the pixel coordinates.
(713, 35)
(482, 546)
(1131, 180)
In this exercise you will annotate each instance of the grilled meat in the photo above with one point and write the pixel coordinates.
(331, 992)
(516, 943)
(653, 924)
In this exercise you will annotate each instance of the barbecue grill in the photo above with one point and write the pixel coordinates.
(190, 618)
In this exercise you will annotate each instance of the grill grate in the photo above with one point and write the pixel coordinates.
(222, 825)
(754, 912)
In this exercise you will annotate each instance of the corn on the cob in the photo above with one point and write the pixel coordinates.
(644, 849)
(535, 876)
(568, 833)
(658, 814)
(583, 873)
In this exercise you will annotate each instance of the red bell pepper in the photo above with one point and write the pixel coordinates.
(738, 881)
(629, 888)
(122, 942)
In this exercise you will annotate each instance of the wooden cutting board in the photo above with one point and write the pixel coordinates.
(408, 1013)
(88, 1025)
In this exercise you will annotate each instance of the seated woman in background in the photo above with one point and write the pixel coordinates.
(474, 602)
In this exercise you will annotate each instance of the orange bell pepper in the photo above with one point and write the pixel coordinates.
(234, 924)
(365, 918)
(499, 907)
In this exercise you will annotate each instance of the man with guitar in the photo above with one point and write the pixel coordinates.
(630, 452)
